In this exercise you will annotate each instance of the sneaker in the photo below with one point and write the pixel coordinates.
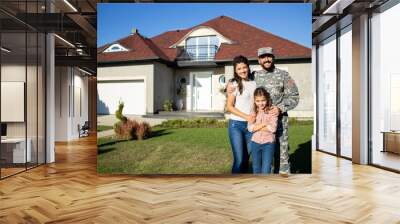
(284, 171)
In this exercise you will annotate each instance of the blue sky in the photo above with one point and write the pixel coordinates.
(115, 20)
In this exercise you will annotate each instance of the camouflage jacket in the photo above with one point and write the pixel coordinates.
(281, 87)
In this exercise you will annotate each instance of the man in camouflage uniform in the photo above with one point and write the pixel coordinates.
(285, 96)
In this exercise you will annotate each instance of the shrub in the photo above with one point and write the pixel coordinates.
(214, 123)
(194, 123)
(167, 105)
(126, 130)
(104, 128)
(143, 130)
(118, 112)
(131, 129)
(118, 128)
(296, 121)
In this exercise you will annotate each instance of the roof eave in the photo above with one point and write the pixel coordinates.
(157, 59)
(277, 58)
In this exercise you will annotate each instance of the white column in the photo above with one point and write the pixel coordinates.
(50, 92)
(150, 89)
(189, 93)
(50, 99)
(360, 90)
(314, 91)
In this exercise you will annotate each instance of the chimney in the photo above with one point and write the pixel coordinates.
(134, 31)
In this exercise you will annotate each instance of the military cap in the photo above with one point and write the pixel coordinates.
(265, 50)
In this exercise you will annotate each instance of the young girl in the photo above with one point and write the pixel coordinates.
(262, 144)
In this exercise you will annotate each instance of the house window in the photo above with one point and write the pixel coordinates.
(115, 48)
(202, 48)
(345, 94)
(327, 95)
(385, 88)
(222, 79)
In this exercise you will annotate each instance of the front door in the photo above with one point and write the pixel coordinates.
(202, 92)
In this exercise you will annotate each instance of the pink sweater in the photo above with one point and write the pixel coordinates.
(260, 136)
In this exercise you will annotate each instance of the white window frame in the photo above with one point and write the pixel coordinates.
(110, 48)
(208, 44)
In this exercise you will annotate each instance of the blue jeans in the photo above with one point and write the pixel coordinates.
(239, 138)
(262, 155)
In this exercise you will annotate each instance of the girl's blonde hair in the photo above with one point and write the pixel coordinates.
(261, 91)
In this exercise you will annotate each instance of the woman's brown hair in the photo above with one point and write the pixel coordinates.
(261, 91)
(237, 60)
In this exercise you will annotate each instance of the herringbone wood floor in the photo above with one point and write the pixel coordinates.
(70, 191)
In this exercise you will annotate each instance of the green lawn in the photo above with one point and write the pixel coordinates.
(189, 151)
(103, 128)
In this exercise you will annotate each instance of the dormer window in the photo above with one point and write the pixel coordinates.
(202, 48)
(115, 48)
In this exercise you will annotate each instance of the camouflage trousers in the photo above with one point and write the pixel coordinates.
(281, 155)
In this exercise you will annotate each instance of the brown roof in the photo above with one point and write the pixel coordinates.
(139, 48)
(246, 41)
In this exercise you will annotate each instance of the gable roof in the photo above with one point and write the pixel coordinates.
(139, 48)
(247, 39)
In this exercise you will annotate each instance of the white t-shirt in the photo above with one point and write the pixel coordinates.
(244, 101)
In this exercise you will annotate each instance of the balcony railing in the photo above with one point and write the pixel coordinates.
(198, 53)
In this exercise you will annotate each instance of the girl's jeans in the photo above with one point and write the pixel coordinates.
(262, 155)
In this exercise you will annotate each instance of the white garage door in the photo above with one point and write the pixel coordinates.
(132, 93)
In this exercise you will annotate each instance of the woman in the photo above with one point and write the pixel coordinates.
(240, 91)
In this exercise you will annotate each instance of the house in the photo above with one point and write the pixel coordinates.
(191, 67)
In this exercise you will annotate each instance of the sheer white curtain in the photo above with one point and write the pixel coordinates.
(346, 92)
(327, 95)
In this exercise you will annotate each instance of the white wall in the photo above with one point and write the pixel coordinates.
(81, 114)
(178, 75)
(219, 98)
(164, 85)
(33, 125)
(14, 73)
(62, 81)
(67, 114)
